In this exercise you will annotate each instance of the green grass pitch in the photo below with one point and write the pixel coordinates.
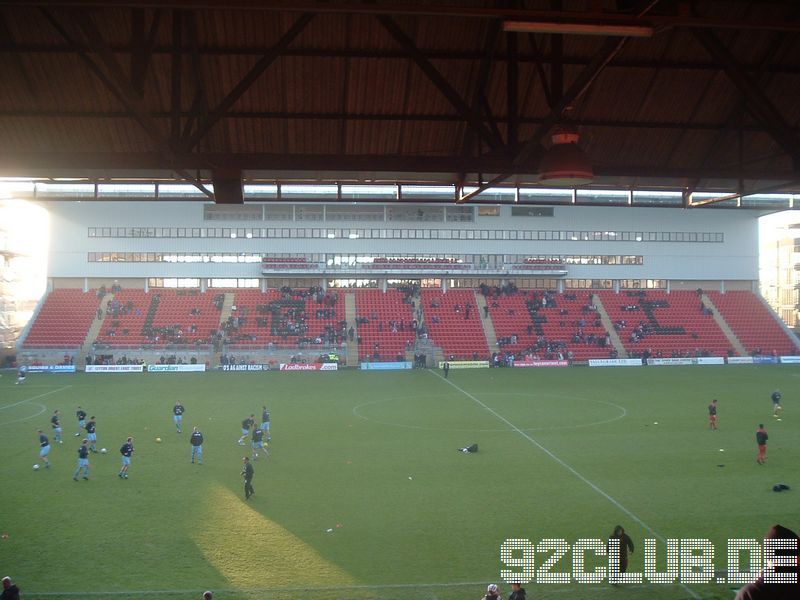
(372, 457)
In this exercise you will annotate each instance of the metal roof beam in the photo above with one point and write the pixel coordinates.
(248, 80)
(760, 106)
(381, 53)
(21, 163)
(533, 146)
(484, 70)
(434, 9)
(378, 117)
(439, 81)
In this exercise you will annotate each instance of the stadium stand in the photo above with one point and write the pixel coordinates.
(664, 324)
(547, 324)
(752, 322)
(448, 325)
(381, 310)
(172, 319)
(254, 316)
(539, 323)
(124, 319)
(64, 319)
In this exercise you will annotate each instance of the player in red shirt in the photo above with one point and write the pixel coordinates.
(761, 440)
(712, 414)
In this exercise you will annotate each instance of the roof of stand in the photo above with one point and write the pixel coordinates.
(701, 95)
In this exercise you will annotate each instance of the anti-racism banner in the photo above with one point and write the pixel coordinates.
(51, 369)
(309, 367)
(176, 368)
(466, 364)
(541, 363)
(615, 362)
(385, 366)
(114, 368)
(244, 367)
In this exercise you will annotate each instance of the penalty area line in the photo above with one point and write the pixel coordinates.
(567, 466)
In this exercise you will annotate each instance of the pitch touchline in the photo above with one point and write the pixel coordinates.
(564, 464)
(388, 586)
(61, 389)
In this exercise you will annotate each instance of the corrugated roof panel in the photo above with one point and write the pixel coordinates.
(377, 86)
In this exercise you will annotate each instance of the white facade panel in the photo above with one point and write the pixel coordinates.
(735, 258)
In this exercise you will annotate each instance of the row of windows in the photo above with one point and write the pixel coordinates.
(417, 234)
(482, 261)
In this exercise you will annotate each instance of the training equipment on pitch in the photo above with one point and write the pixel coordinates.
(36, 467)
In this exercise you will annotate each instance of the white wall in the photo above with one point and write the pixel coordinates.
(734, 259)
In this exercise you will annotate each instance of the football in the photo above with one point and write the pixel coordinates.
(36, 467)
(103, 450)
(158, 440)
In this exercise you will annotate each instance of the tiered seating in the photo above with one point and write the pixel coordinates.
(174, 308)
(752, 322)
(416, 263)
(286, 309)
(127, 324)
(685, 329)
(247, 302)
(458, 336)
(64, 320)
(541, 264)
(288, 262)
(381, 308)
(555, 324)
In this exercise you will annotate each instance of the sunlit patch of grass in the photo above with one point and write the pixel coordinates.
(251, 551)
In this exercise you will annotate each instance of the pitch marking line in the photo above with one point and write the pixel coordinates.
(567, 466)
(42, 408)
(364, 587)
(61, 389)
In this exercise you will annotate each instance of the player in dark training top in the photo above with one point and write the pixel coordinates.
(257, 442)
(55, 423)
(91, 434)
(177, 416)
(247, 473)
(196, 440)
(83, 461)
(761, 440)
(265, 422)
(127, 451)
(712, 414)
(246, 425)
(776, 402)
(44, 448)
(81, 415)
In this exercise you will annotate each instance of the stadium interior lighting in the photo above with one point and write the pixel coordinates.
(565, 164)
(578, 28)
